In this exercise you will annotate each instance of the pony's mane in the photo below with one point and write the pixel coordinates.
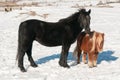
(73, 16)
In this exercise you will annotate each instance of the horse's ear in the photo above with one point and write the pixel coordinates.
(89, 11)
(82, 10)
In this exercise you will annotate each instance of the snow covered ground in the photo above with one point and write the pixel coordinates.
(105, 20)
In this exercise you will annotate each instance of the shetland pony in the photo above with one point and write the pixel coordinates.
(64, 33)
(91, 44)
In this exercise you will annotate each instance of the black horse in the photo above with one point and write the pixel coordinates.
(64, 32)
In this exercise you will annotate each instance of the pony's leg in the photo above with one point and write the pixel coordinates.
(29, 54)
(95, 59)
(90, 60)
(84, 57)
(63, 56)
(78, 55)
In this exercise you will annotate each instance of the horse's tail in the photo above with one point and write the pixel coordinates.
(17, 56)
(19, 40)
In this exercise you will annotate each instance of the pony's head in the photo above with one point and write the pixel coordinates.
(84, 19)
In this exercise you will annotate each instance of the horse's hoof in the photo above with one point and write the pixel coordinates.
(23, 70)
(64, 64)
(34, 65)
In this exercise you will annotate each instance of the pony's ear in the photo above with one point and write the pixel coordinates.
(89, 11)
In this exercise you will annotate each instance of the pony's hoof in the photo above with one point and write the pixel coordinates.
(78, 62)
(85, 62)
(95, 66)
(91, 66)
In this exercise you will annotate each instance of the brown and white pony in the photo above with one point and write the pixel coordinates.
(91, 44)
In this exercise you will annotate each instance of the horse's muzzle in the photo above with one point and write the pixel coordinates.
(87, 30)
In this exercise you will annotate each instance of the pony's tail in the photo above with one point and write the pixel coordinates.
(75, 52)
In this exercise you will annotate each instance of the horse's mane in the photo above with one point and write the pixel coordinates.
(73, 16)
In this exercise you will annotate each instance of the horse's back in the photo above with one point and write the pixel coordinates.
(46, 33)
(30, 25)
(29, 29)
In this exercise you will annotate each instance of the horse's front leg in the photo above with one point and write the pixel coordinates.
(63, 57)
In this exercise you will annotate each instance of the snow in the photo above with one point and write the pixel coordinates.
(105, 20)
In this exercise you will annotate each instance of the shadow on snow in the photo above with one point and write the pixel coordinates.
(106, 56)
(52, 57)
(103, 56)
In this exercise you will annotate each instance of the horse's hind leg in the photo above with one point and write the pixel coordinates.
(29, 54)
(20, 56)
(24, 45)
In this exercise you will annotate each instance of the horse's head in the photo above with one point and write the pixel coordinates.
(84, 20)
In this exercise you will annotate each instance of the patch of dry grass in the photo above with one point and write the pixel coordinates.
(33, 13)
